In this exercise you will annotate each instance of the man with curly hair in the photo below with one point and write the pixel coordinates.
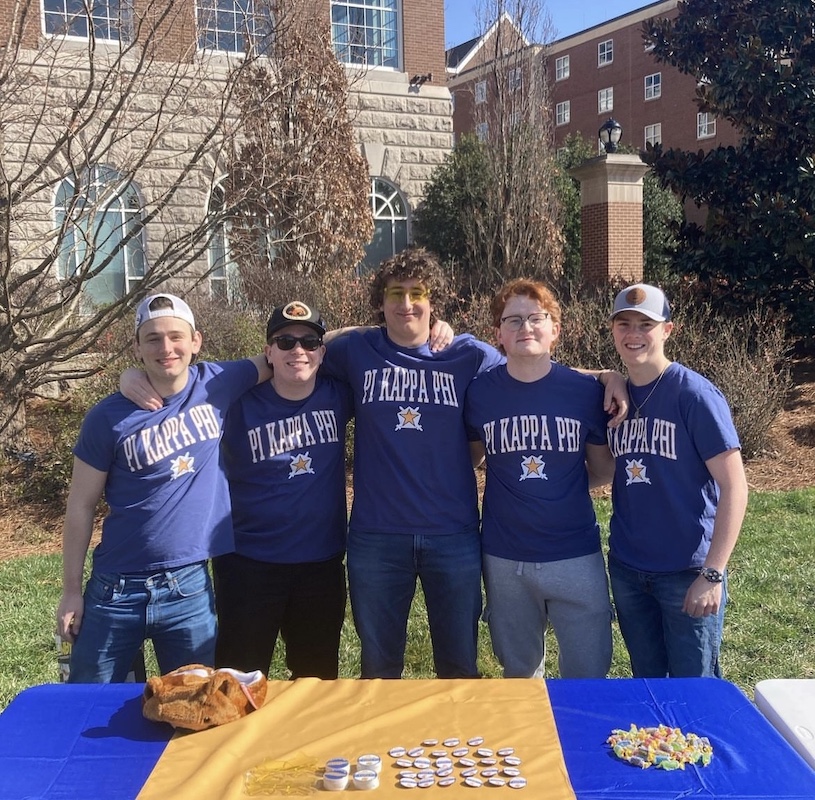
(415, 509)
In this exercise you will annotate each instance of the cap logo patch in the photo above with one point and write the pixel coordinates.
(296, 311)
(635, 297)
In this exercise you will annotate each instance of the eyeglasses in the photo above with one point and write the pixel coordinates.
(516, 322)
(287, 342)
(399, 293)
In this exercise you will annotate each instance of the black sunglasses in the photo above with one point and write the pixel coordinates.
(287, 342)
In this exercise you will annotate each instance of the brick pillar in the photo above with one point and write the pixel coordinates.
(611, 217)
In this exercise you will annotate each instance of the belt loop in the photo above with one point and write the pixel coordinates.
(519, 570)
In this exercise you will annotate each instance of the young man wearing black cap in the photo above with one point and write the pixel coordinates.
(679, 497)
(284, 455)
(160, 474)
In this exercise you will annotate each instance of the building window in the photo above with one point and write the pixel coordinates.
(366, 32)
(653, 134)
(481, 92)
(653, 86)
(390, 223)
(605, 52)
(561, 68)
(103, 241)
(482, 131)
(233, 26)
(515, 79)
(563, 112)
(106, 20)
(705, 125)
(605, 100)
(223, 271)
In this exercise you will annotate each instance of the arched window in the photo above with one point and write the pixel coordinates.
(390, 223)
(223, 275)
(101, 214)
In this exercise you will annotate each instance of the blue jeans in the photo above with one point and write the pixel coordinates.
(382, 572)
(661, 639)
(174, 608)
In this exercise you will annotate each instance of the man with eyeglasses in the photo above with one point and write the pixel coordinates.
(284, 456)
(415, 509)
(542, 428)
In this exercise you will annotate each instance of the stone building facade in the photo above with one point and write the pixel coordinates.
(167, 139)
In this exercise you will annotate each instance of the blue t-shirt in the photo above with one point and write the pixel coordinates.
(412, 466)
(285, 461)
(166, 489)
(663, 497)
(537, 505)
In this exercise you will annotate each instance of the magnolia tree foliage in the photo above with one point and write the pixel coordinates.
(755, 65)
(298, 177)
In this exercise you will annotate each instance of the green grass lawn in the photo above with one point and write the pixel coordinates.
(768, 629)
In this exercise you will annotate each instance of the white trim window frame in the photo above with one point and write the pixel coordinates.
(705, 125)
(233, 26)
(515, 79)
(480, 92)
(562, 68)
(653, 134)
(482, 131)
(111, 20)
(605, 100)
(605, 52)
(366, 33)
(653, 86)
(563, 112)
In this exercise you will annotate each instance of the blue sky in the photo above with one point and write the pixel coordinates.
(568, 16)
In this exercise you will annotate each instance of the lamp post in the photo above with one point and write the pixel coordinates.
(610, 133)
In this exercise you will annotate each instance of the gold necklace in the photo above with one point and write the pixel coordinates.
(638, 408)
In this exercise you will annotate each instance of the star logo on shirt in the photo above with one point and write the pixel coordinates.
(532, 467)
(409, 417)
(635, 470)
(300, 465)
(183, 465)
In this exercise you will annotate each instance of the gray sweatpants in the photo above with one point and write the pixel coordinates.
(572, 594)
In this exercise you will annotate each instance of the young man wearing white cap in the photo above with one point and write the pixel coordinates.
(168, 501)
(679, 497)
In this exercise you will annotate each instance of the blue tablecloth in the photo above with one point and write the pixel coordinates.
(83, 742)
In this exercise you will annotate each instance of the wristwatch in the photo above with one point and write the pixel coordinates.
(712, 575)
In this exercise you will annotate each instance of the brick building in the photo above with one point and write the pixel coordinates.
(605, 71)
(400, 104)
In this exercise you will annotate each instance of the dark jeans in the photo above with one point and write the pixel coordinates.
(256, 600)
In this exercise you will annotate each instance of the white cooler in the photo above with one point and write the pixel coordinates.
(789, 705)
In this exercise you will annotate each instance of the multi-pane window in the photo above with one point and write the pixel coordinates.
(605, 100)
(390, 223)
(102, 244)
(563, 112)
(653, 86)
(705, 125)
(561, 68)
(481, 92)
(223, 274)
(233, 26)
(605, 52)
(515, 79)
(366, 32)
(482, 131)
(653, 134)
(105, 20)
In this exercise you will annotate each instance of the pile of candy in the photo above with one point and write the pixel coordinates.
(662, 747)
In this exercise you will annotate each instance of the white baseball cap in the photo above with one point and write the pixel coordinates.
(177, 308)
(644, 298)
